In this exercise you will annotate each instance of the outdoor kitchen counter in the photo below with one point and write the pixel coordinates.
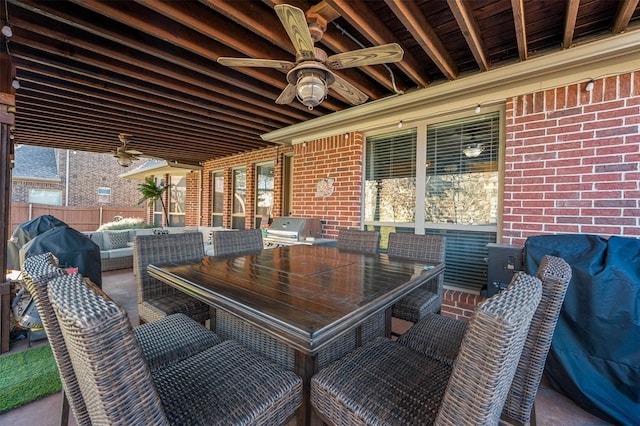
(305, 296)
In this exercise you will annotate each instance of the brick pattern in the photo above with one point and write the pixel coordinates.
(459, 304)
(572, 160)
(338, 158)
(87, 172)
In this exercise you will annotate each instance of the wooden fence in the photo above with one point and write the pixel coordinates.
(79, 218)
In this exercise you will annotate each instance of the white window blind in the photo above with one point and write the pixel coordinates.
(390, 172)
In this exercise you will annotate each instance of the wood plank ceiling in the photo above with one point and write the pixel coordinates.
(89, 70)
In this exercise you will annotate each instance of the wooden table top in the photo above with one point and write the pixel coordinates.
(303, 295)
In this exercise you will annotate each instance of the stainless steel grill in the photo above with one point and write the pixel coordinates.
(287, 231)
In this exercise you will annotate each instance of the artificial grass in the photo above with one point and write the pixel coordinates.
(26, 376)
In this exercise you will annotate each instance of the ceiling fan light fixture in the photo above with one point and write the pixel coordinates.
(124, 160)
(311, 88)
(473, 151)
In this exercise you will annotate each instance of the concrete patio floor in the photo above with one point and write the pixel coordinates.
(552, 408)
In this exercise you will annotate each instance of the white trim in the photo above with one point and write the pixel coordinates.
(610, 56)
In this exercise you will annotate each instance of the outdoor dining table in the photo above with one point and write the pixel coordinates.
(304, 296)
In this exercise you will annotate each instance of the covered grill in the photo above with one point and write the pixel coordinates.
(287, 231)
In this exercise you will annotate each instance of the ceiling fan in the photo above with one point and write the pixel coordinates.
(125, 156)
(311, 75)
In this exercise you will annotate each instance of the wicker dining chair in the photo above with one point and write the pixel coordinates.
(428, 297)
(358, 240)
(385, 382)
(226, 243)
(440, 337)
(225, 384)
(163, 342)
(155, 298)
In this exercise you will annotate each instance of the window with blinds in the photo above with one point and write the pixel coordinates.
(462, 171)
(390, 177)
(460, 175)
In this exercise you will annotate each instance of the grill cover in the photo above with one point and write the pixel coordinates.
(595, 352)
(26, 232)
(72, 248)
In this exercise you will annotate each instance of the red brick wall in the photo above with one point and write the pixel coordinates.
(338, 158)
(572, 160)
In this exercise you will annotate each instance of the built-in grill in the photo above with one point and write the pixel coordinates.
(287, 231)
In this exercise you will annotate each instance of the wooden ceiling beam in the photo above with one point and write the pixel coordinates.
(517, 7)
(113, 62)
(179, 36)
(208, 70)
(414, 21)
(468, 24)
(171, 89)
(94, 86)
(570, 18)
(626, 9)
(74, 121)
(46, 104)
(361, 17)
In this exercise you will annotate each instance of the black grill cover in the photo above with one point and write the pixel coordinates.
(595, 352)
(26, 232)
(72, 248)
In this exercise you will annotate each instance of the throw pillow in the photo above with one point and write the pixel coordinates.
(118, 239)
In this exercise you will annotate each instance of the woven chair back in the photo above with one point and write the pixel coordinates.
(227, 243)
(429, 248)
(162, 249)
(37, 271)
(114, 378)
(489, 354)
(358, 241)
(555, 274)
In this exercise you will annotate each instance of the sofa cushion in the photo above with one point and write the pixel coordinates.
(121, 252)
(116, 240)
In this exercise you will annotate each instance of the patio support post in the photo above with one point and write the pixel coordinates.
(7, 120)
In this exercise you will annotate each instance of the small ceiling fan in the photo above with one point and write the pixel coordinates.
(312, 74)
(125, 156)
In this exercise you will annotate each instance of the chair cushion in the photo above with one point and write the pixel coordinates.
(172, 339)
(162, 306)
(227, 384)
(380, 383)
(416, 305)
(436, 336)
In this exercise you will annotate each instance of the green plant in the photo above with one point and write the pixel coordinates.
(152, 192)
(125, 223)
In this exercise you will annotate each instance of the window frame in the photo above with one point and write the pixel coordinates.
(490, 233)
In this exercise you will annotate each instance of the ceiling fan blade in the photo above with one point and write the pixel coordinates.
(348, 91)
(295, 23)
(386, 53)
(287, 95)
(133, 152)
(250, 62)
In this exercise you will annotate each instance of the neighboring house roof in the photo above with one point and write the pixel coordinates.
(158, 168)
(35, 162)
